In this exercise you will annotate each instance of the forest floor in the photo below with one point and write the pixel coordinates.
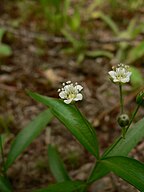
(27, 69)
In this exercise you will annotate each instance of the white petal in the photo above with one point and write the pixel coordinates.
(79, 87)
(78, 97)
(68, 101)
(125, 80)
(116, 80)
(112, 74)
(129, 74)
(62, 94)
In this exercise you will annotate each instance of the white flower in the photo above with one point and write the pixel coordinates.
(120, 74)
(70, 92)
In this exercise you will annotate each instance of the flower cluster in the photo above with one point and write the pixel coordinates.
(70, 92)
(120, 74)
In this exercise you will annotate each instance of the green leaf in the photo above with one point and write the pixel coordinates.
(70, 38)
(109, 22)
(27, 135)
(101, 53)
(2, 32)
(67, 186)
(71, 117)
(5, 185)
(98, 172)
(75, 20)
(120, 147)
(80, 58)
(124, 146)
(136, 53)
(5, 50)
(136, 77)
(128, 169)
(56, 165)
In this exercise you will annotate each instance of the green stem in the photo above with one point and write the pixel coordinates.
(121, 98)
(123, 132)
(111, 147)
(133, 116)
(2, 155)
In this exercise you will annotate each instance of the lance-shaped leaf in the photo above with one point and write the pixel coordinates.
(120, 147)
(56, 165)
(72, 118)
(5, 185)
(124, 146)
(128, 169)
(27, 135)
(67, 186)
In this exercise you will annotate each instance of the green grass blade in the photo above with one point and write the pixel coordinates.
(110, 23)
(128, 169)
(56, 165)
(27, 135)
(71, 117)
(99, 53)
(67, 186)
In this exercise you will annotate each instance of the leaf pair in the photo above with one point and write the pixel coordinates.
(110, 161)
(120, 147)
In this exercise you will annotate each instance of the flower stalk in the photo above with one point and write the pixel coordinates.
(2, 156)
(121, 98)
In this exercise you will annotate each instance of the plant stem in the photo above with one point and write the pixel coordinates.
(123, 132)
(133, 116)
(121, 97)
(111, 147)
(2, 155)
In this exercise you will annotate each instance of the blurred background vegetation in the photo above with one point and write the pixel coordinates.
(46, 42)
(83, 28)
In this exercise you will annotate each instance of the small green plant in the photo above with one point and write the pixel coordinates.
(115, 158)
(79, 47)
(125, 51)
(5, 50)
(56, 14)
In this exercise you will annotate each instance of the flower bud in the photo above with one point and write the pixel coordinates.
(140, 98)
(123, 120)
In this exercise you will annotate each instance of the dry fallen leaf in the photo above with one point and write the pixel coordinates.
(52, 76)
